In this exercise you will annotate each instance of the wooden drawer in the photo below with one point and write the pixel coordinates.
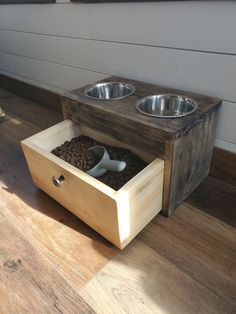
(118, 215)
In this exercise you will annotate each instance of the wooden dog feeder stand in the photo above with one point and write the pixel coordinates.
(179, 153)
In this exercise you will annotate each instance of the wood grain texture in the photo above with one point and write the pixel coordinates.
(117, 215)
(215, 198)
(178, 142)
(2, 216)
(223, 166)
(225, 137)
(191, 160)
(183, 264)
(199, 245)
(141, 280)
(75, 249)
(125, 113)
(28, 283)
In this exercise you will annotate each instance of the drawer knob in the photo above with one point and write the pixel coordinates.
(57, 181)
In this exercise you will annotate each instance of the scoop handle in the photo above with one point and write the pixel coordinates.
(113, 165)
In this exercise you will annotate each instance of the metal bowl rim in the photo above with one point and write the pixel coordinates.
(195, 106)
(86, 90)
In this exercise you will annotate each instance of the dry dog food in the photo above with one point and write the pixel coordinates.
(76, 152)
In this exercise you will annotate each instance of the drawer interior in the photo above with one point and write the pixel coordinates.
(66, 130)
(56, 135)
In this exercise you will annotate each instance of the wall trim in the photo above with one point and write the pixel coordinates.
(223, 166)
(41, 95)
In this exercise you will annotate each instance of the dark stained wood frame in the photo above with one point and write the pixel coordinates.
(223, 166)
(187, 158)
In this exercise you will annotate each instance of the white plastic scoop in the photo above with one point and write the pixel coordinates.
(105, 163)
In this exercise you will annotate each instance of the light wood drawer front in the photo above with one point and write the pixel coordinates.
(117, 215)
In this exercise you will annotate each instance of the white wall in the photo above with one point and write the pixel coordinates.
(187, 45)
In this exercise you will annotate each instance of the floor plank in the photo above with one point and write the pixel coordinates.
(201, 246)
(140, 280)
(28, 283)
(2, 216)
(216, 198)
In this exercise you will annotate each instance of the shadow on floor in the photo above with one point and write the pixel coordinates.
(16, 180)
(215, 198)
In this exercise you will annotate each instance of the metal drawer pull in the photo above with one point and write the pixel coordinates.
(57, 181)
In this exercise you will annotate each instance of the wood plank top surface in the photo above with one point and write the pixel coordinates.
(125, 108)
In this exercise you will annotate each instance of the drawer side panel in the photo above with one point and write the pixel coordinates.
(140, 200)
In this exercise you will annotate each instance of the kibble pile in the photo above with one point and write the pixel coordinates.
(77, 153)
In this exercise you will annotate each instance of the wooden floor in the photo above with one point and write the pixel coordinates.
(51, 262)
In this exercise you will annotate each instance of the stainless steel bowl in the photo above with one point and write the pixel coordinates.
(109, 91)
(166, 106)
